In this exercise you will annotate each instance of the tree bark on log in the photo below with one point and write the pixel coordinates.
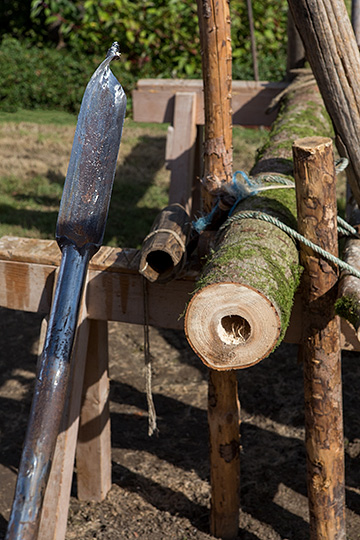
(255, 269)
(332, 51)
(317, 212)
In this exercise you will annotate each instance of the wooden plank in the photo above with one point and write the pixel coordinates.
(114, 291)
(154, 99)
(180, 149)
(26, 286)
(93, 452)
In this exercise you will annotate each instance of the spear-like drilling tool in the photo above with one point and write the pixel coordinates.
(79, 233)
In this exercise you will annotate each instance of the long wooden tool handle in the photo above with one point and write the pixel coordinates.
(49, 398)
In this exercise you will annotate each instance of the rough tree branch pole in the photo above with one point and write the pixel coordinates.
(332, 51)
(317, 212)
(223, 403)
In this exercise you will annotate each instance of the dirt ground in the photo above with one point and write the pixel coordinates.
(160, 486)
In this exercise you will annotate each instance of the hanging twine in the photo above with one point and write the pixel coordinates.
(152, 424)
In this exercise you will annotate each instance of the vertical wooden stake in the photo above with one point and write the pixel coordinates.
(214, 23)
(314, 173)
(93, 452)
(223, 406)
(57, 495)
(223, 417)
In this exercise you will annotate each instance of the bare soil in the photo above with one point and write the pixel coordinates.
(160, 484)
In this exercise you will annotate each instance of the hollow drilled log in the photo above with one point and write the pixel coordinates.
(254, 268)
(316, 204)
(332, 51)
(243, 304)
(163, 250)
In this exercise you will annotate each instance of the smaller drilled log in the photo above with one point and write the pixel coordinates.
(164, 248)
(316, 204)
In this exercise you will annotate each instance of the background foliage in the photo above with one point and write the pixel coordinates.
(61, 41)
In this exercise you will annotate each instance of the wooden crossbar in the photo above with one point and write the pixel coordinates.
(154, 100)
(114, 290)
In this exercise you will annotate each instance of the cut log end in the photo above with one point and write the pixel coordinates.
(236, 332)
(163, 250)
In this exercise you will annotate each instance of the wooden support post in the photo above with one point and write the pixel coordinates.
(316, 204)
(355, 19)
(223, 404)
(180, 149)
(295, 57)
(164, 248)
(214, 22)
(224, 425)
(93, 451)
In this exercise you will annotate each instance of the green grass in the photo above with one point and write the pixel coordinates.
(39, 116)
(29, 200)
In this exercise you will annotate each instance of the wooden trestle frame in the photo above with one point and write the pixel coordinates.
(114, 292)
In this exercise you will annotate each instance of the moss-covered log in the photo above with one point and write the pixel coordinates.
(244, 299)
(242, 305)
(348, 302)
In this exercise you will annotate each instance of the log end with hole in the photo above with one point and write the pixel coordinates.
(231, 326)
(163, 250)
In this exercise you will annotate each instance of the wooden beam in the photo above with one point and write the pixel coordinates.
(154, 100)
(114, 291)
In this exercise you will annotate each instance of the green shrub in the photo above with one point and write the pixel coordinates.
(158, 38)
(33, 77)
(161, 37)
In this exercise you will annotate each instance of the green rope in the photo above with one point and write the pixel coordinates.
(294, 234)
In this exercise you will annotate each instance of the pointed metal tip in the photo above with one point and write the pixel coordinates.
(114, 51)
